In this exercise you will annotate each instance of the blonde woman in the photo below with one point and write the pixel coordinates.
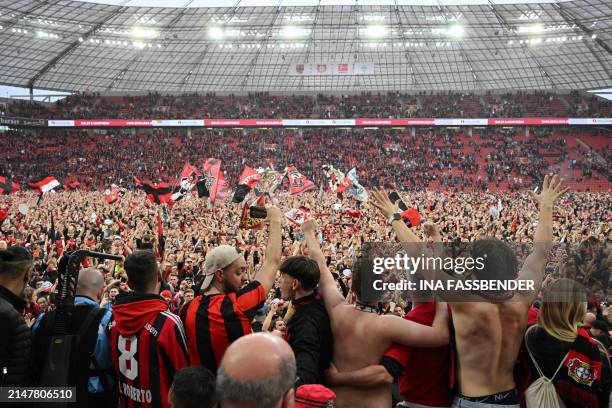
(577, 364)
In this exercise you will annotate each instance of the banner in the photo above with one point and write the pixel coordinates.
(157, 193)
(223, 188)
(269, 181)
(332, 68)
(356, 189)
(8, 186)
(367, 122)
(45, 185)
(212, 168)
(187, 181)
(336, 179)
(6, 121)
(527, 121)
(246, 222)
(242, 122)
(248, 180)
(297, 215)
(298, 183)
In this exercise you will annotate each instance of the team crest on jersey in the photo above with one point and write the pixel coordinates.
(581, 372)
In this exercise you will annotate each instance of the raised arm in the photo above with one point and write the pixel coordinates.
(410, 333)
(535, 264)
(387, 209)
(267, 272)
(327, 284)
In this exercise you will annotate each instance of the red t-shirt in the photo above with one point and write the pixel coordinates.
(425, 379)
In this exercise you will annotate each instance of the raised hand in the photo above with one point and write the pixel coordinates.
(551, 191)
(381, 201)
(309, 226)
(274, 214)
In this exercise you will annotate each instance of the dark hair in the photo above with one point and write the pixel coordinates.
(141, 268)
(194, 387)
(15, 261)
(302, 268)
(499, 259)
(362, 280)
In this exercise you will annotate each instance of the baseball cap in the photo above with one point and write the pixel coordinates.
(314, 396)
(166, 293)
(219, 258)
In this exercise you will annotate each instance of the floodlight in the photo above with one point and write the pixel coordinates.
(139, 32)
(375, 31)
(294, 32)
(216, 32)
(455, 31)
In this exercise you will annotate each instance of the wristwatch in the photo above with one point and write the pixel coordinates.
(395, 217)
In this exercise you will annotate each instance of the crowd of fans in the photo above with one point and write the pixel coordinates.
(197, 239)
(200, 311)
(431, 159)
(365, 105)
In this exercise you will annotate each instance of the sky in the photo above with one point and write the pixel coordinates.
(11, 91)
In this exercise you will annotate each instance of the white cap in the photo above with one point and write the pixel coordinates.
(219, 258)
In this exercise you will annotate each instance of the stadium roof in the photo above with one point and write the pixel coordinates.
(305, 45)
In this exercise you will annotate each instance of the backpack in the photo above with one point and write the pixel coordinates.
(542, 393)
(68, 360)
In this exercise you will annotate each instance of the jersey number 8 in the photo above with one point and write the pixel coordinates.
(129, 370)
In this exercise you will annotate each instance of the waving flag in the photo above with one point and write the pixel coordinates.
(45, 185)
(157, 193)
(8, 186)
(73, 185)
(246, 222)
(336, 179)
(248, 179)
(113, 194)
(297, 215)
(223, 188)
(187, 181)
(298, 183)
(212, 170)
(356, 189)
(269, 181)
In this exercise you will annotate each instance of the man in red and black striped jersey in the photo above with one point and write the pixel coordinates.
(224, 312)
(148, 342)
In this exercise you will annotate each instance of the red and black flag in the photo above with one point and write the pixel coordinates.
(73, 185)
(246, 221)
(298, 183)
(248, 179)
(187, 181)
(8, 186)
(45, 185)
(157, 193)
(336, 179)
(212, 170)
(202, 189)
(223, 188)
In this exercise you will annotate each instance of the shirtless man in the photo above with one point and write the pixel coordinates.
(488, 335)
(361, 336)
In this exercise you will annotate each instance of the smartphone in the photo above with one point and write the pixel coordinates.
(394, 196)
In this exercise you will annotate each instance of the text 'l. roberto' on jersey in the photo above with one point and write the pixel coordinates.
(148, 348)
(213, 322)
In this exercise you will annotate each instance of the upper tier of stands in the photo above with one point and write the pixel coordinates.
(266, 106)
